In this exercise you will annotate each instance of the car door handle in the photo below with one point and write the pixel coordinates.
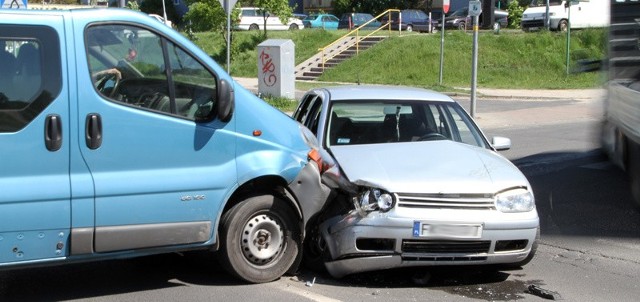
(93, 131)
(53, 132)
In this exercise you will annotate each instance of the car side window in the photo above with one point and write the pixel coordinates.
(27, 54)
(136, 67)
(308, 112)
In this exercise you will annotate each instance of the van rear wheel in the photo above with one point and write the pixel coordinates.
(563, 25)
(260, 239)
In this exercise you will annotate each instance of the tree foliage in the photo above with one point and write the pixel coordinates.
(515, 14)
(206, 15)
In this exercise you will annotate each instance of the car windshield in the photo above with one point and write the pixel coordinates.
(375, 122)
(544, 2)
(462, 12)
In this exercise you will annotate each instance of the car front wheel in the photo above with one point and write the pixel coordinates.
(563, 25)
(409, 28)
(260, 239)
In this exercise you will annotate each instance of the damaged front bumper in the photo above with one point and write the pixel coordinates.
(377, 241)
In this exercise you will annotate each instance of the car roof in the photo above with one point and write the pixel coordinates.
(383, 92)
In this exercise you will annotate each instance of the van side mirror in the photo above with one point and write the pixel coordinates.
(226, 100)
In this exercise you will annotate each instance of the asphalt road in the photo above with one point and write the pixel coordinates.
(589, 249)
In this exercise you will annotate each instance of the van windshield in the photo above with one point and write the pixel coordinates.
(544, 2)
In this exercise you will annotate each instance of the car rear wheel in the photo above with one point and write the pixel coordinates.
(462, 26)
(294, 27)
(260, 239)
(409, 28)
(254, 27)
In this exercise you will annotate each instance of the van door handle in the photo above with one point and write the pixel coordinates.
(53, 132)
(93, 131)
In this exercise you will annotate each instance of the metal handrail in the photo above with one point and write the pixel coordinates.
(358, 37)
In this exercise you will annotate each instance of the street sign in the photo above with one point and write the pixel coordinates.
(444, 4)
(13, 4)
(232, 3)
(475, 8)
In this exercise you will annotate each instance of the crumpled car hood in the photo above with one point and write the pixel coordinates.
(428, 167)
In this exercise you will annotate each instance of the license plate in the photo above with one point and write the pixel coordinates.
(441, 230)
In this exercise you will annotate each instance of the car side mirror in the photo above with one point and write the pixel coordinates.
(226, 100)
(501, 143)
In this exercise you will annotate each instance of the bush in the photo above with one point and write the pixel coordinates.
(515, 14)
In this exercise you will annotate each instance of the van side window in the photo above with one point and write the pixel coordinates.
(27, 53)
(136, 67)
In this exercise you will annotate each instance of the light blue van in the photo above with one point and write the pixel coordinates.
(119, 138)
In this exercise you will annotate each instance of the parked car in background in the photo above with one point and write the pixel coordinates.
(583, 14)
(252, 18)
(460, 19)
(354, 20)
(410, 20)
(325, 21)
(300, 16)
(420, 185)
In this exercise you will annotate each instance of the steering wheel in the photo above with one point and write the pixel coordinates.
(432, 136)
(103, 81)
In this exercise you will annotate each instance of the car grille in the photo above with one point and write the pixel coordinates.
(445, 246)
(532, 23)
(446, 201)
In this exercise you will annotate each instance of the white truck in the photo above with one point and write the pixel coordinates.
(583, 14)
(621, 129)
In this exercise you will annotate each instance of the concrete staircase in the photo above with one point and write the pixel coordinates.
(341, 50)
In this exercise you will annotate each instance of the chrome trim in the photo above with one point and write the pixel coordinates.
(446, 201)
(126, 237)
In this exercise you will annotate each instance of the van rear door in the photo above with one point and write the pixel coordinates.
(35, 188)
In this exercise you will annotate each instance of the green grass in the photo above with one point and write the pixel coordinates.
(512, 59)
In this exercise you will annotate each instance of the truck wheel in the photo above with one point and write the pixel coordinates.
(634, 171)
(563, 25)
(260, 239)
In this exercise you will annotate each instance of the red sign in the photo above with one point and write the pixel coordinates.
(444, 4)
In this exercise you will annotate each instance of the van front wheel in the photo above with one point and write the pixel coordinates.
(259, 239)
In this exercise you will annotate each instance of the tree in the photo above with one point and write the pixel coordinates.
(279, 8)
(205, 15)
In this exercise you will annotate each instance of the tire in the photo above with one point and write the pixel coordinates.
(294, 26)
(315, 250)
(254, 27)
(633, 169)
(409, 28)
(462, 26)
(563, 25)
(260, 239)
(496, 26)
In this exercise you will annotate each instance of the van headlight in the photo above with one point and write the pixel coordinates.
(372, 199)
(515, 201)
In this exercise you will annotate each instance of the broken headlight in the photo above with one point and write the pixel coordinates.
(515, 201)
(374, 199)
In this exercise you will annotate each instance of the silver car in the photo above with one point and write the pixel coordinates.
(417, 182)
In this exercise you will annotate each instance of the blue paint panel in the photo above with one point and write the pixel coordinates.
(33, 245)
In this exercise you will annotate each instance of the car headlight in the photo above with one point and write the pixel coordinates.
(374, 199)
(515, 201)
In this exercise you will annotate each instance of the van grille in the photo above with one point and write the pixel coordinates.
(447, 201)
